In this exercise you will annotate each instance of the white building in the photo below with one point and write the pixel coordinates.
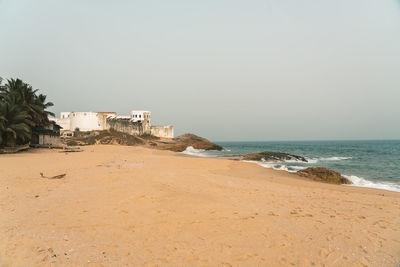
(84, 121)
(140, 115)
(93, 121)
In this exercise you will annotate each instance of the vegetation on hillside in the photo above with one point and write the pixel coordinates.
(22, 110)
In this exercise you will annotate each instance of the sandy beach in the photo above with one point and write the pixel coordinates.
(120, 206)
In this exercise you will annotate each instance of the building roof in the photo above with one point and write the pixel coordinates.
(103, 112)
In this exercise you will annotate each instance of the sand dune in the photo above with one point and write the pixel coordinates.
(120, 206)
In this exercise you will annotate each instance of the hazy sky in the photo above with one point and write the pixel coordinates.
(223, 69)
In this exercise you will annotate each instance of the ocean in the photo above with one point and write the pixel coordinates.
(374, 164)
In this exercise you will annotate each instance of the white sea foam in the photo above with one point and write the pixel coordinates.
(312, 161)
(195, 152)
(335, 158)
(361, 182)
(277, 166)
(200, 152)
(297, 161)
(316, 160)
(293, 160)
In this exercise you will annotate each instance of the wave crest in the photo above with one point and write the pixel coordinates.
(316, 160)
(335, 158)
(361, 182)
(191, 151)
(277, 166)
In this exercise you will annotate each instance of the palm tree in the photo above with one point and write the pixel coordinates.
(44, 114)
(2, 125)
(22, 111)
(15, 123)
(26, 96)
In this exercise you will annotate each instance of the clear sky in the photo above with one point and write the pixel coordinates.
(223, 69)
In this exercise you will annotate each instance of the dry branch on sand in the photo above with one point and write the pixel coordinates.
(53, 177)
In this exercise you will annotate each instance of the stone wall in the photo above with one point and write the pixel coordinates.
(138, 127)
(125, 126)
(163, 131)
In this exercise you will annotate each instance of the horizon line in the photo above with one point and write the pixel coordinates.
(322, 140)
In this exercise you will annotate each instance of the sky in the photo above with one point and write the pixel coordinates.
(223, 69)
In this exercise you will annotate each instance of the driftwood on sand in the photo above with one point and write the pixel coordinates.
(53, 177)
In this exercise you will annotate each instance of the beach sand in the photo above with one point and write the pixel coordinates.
(120, 206)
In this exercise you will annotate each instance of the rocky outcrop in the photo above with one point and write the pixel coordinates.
(109, 137)
(270, 156)
(324, 175)
(113, 137)
(180, 143)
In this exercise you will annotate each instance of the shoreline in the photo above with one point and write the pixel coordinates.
(121, 205)
(182, 154)
(357, 181)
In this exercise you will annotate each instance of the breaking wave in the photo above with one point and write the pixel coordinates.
(316, 160)
(335, 158)
(277, 166)
(361, 182)
(197, 152)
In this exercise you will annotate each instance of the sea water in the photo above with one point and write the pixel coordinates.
(374, 164)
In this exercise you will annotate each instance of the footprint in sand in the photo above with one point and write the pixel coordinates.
(294, 212)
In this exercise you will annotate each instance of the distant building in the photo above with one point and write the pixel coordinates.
(83, 121)
(140, 115)
(138, 123)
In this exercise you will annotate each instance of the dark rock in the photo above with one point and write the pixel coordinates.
(324, 175)
(113, 137)
(271, 156)
(181, 142)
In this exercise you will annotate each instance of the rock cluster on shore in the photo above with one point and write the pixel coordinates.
(323, 175)
(270, 156)
(315, 173)
(180, 143)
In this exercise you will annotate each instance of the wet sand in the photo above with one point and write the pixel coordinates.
(120, 206)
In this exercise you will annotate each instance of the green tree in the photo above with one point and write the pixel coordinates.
(22, 111)
(44, 114)
(15, 123)
(26, 97)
